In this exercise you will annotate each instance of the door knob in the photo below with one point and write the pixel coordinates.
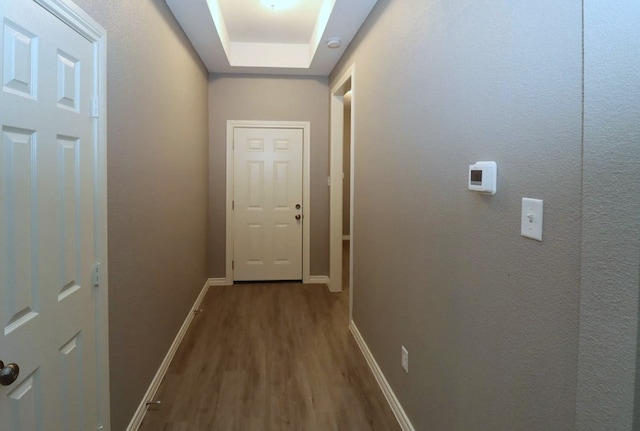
(298, 216)
(8, 373)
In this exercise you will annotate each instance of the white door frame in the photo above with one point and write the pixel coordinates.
(70, 14)
(347, 81)
(306, 188)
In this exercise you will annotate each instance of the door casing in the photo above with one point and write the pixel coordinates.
(306, 190)
(345, 83)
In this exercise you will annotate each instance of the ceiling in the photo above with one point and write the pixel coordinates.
(277, 37)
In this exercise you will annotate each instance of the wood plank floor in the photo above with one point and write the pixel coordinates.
(270, 356)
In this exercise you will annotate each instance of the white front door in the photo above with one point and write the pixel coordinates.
(47, 223)
(268, 213)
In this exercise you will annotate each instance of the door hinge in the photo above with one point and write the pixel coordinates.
(233, 205)
(96, 274)
(232, 264)
(95, 107)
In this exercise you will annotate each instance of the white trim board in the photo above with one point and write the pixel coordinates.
(136, 421)
(319, 279)
(398, 411)
(219, 282)
(306, 191)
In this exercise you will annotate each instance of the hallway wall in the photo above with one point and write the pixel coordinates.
(490, 319)
(157, 189)
(609, 354)
(502, 332)
(270, 98)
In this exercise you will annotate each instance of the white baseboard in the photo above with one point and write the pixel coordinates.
(346, 237)
(313, 279)
(397, 409)
(318, 279)
(136, 421)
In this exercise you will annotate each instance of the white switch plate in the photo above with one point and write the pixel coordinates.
(531, 223)
(405, 359)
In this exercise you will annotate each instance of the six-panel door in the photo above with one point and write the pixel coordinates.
(268, 213)
(47, 222)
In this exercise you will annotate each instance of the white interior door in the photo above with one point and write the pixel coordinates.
(47, 222)
(268, 213)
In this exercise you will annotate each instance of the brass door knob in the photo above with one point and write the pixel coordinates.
(298, 216)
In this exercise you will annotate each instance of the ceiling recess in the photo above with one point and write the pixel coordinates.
(278, 4)
(270, 36)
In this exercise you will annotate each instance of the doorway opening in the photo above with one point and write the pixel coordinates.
(305, 128)
(342, 180)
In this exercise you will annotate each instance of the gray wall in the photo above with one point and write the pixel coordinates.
(237, 97)
(608, 359)
(490, 319)
(157, 180)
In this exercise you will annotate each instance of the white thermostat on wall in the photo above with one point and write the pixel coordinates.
(482, 177)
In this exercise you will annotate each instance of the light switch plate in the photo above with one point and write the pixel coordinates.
(405, 359)
(531, 223)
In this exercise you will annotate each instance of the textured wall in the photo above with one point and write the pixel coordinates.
(157, 180)
(490, 319)
(272, 99)
(607, 376)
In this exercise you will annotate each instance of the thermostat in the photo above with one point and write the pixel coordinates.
(482, 177)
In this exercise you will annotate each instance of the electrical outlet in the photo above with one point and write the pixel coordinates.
(405, 359)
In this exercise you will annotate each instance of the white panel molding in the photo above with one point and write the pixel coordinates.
(398, 411)
(318, 279)
(306, 191)
(136, 421)
(219, 282)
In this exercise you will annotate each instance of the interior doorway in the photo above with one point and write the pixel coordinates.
(341, 171)
(278, 145)
(346, 163)
(267, 204)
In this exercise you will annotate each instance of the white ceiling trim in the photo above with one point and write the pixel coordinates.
(219, 25)
(252, 54)
(204, 24)
(321, 26)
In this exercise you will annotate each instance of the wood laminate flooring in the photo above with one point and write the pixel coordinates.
(270, 356)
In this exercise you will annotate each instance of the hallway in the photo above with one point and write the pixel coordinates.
(504, 332)
(270, 356)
